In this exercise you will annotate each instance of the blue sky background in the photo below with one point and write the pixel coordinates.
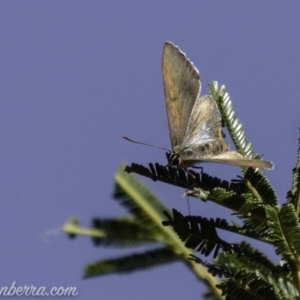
(76, 75)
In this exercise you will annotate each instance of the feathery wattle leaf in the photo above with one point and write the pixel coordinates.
(293, 195)
(132, 262)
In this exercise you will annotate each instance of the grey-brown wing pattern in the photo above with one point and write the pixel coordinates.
(182, 88)
(205, 123)
(229, 158)
(204, 140)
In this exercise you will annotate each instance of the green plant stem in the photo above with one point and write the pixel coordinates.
(171, 238)
(72, 228)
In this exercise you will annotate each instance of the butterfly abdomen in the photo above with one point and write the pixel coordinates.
(218, 147)
(205, 149)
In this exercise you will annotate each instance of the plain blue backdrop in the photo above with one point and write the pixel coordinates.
(77, 75)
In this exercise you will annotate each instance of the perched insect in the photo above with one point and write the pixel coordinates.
(195, 123)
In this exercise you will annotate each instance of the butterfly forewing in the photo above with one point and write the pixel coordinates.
(182, 88)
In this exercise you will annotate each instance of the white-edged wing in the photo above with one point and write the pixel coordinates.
(182, 88)
(229, 158)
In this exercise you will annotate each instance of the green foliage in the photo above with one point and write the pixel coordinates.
(230, 119)
(132, 262)
(231, 270)
(294, 194)
(198, 233)
(124, 232)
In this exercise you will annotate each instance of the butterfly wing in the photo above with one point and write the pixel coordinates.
(230, 158)
(205, 123)
(204, 142)
(195, 123)
(182, 88)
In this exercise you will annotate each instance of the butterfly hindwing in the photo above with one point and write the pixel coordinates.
(182, 88)
(229, 158)
(205, 123)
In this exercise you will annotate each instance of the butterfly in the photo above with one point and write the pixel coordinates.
(195, 123)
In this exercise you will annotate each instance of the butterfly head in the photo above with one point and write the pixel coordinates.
(173, 159)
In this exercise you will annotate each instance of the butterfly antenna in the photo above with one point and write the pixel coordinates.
(145, 144)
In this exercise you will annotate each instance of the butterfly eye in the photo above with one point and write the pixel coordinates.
(173, 158)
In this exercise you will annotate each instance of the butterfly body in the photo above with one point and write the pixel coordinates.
(195, 123)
